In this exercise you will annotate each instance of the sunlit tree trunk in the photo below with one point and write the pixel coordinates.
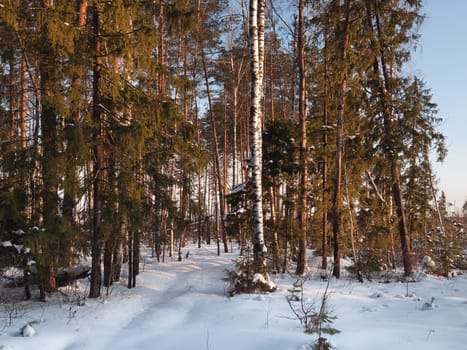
(324, 170)
(217, 154)
(23, 105)
(302, 115)
(337, 190)
(50, 174)
(256, 31)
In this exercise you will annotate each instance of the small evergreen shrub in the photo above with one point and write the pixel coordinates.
(248, 277)
(314, 316)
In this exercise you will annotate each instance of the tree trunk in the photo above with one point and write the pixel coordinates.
(217, 155)
(385, 90)
(275, 253)
(99, 165)
(161, 50)
(121, 249)
(117, 260)
(12, 106)
(225, 180)
(23, 106)
(72, 152)
(234, 131)
(171, 239)
(302, 115)
(82, 13)
(110, 244)
(256, 31)
(337, 190)
(50, 174)
(324, 183)
(130, 247)
(136, 245)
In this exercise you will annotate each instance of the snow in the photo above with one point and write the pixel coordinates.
(428, 262)
(237, 189)
(258, 277)
(28, 331)
(6, 244)
(183, 305)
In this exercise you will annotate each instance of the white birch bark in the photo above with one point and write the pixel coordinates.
(256, 31)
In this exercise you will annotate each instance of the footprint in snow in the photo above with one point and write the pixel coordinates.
(6, 347)
(413, 296)
(376, 295)
(370, 309)
(260, 298)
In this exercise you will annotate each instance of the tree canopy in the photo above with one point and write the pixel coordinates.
(126, 123)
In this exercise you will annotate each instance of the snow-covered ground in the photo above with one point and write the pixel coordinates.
(183, 305)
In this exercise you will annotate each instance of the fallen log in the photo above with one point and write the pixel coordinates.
(65, 276)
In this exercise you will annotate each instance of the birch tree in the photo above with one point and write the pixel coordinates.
(256, 30)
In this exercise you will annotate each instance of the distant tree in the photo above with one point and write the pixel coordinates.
(280, 172)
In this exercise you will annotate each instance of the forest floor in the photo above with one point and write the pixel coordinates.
(184, 305)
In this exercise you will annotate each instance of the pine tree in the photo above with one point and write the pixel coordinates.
(391, 26)
(302, 116)
(51, 52)
(99, 166)
(337, 190)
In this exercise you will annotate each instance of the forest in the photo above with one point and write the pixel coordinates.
(276, 127)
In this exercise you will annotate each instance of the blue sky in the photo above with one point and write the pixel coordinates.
(441, 60)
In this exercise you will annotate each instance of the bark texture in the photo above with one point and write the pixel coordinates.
(256, 31)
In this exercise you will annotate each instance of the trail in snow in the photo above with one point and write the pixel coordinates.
(167, 294)
(171, 292)
(183, 306)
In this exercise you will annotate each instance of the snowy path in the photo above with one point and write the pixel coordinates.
(168, 295)
(169, 305)
(183, 306)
